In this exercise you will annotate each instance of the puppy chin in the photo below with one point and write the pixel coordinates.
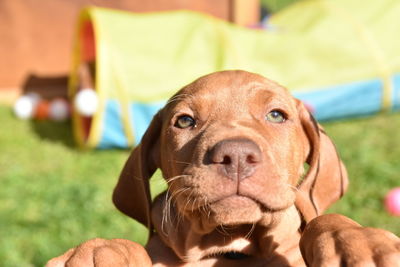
(235, 210)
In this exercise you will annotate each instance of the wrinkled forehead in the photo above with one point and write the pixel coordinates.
(231, 90)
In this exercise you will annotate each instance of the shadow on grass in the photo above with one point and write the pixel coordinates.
(57, 132)
(49, 88)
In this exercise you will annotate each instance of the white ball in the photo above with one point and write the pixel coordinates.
(59, 109)
(24, 107)
(86, 102)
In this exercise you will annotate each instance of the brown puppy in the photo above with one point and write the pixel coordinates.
(232, 147)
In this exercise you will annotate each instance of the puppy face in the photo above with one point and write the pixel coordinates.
(232, 146)
(232, 149)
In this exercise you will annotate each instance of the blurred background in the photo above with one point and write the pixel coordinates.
(55, 195)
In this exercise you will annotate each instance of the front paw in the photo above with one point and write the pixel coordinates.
(335, 240)
(101, 252)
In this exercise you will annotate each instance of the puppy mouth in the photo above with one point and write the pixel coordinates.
(236, 209)
(232, 201)
(238, 200)
(235, 200)
(229, 210)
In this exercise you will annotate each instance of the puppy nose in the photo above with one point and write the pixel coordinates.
(236, 158)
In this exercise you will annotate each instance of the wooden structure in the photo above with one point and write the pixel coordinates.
(36, 36)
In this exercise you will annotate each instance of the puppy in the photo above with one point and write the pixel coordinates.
(249, 173)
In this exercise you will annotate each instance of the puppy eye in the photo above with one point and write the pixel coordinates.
(275, 116)
(184, 122)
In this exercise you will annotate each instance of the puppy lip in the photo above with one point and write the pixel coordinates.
(238, 197)
(234, 195)
(263, 207)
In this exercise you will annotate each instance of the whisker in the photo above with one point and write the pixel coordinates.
(174, 197)
(170, 181)
(247, 236)
(180, 191)
(169, 202)
(173, 178)
(222, 230)
(294, 188)
(205, 206)
(194, 202)
(181, 162)
(165, 213)
(188, 200)
(178, 97)
(158, 181)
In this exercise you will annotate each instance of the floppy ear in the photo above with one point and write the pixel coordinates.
(326, 179)
(132, 192)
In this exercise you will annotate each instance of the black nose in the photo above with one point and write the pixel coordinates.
(236, 158)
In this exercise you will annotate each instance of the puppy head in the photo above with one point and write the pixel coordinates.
(232, 146)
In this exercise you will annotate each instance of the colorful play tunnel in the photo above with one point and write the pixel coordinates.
(342, 58)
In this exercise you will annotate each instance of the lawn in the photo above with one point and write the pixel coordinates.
(54, 196)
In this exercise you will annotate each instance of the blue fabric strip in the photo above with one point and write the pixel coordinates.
(359, 98)
(142, 115)
(113, 135)
(396, 92)
(349, 100)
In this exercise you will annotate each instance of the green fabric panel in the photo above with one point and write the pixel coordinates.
(335, 39)
(151, 56)
(313, 44)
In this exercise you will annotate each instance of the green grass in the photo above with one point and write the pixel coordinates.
(54, 196)
(370, 149)
(276, 5)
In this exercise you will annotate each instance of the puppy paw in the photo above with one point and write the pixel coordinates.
(335, 240)
(101, 252)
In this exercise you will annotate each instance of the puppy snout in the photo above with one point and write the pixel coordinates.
(236, 158)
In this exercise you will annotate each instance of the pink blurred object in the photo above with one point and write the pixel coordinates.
(392, 201)
(59, 109)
